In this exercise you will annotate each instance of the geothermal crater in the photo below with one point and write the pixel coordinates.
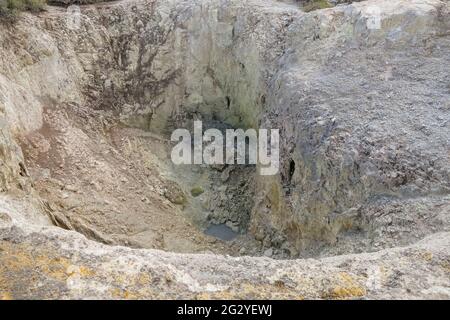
(86, 115)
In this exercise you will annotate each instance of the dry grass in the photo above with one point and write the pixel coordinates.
(9, 9)
(316, 5)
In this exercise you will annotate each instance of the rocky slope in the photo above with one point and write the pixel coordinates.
(364, 119)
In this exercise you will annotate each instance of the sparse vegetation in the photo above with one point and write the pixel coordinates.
(312, 5)
(9, 9)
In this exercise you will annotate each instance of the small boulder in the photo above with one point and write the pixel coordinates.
(196, 191)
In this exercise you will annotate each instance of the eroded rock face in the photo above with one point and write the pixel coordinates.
(12, 164)
(364, 119)
(364, 115)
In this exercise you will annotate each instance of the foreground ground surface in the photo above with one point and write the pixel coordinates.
(46, 263)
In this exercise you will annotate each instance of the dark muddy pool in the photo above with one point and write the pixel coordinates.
(221, 231)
